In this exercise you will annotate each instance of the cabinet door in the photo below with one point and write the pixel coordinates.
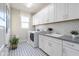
(71, 45)
(54, 49)
(70, 49)
(35, 21)
(42, 42)
(53, 45)
(70, 52)
(45, 19)
(38, 18)
(43, 15)
(73, 10)
(51, 13)
(61, 11)
(50, 47)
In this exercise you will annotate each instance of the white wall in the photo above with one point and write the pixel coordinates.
(16, 24)
(61, 27)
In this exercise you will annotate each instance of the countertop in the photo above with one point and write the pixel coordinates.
(64, 37)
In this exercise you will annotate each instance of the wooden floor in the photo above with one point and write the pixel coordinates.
(24, 49)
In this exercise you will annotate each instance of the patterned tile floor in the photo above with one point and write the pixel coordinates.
(24, 49)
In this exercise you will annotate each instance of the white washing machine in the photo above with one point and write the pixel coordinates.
(33, 39)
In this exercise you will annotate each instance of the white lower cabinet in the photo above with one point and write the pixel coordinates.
(56, 47)
(51, 46)
(53, 50)
(70, 49)
(70, 52)
(42, 43)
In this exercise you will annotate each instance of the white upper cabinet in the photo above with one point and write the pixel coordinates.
(51, 15)
(44, 15)
(73, 10)
(34, 20)
(40, 17)
(60, 10)
(66, 11)
(57, 12)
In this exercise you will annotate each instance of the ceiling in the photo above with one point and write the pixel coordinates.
(36, 7)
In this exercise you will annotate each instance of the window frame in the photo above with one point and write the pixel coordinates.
(26, 22)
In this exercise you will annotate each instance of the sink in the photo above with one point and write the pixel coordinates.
(55, 35)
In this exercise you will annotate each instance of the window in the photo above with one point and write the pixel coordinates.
(2, 15)
(2, 19)
(2, 23)
(24, 22)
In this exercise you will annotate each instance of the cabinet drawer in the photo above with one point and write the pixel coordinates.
(54, 40)
(70, 52)
(54, 49)
(71, 45)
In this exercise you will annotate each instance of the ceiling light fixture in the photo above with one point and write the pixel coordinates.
(29, 5)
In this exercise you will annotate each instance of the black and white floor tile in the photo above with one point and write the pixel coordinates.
(24, 49)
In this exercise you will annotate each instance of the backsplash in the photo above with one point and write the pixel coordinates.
(61, 27)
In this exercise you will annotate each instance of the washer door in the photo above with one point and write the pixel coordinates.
(32, 37)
